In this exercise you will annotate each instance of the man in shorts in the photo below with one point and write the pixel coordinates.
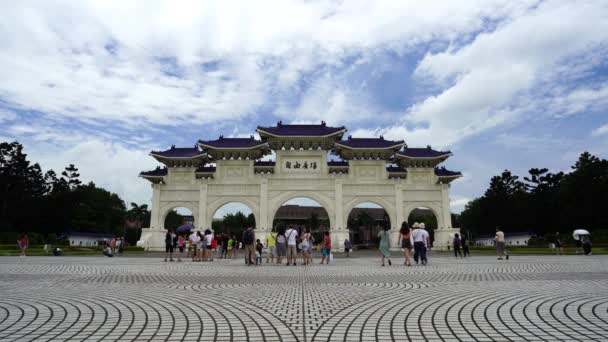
(169, 244)
(292, 252)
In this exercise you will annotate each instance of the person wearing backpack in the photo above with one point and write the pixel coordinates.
(249, 245)
(456, 244)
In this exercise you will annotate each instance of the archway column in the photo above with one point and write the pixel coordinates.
(155, 214)
(396, 226)
(203, 220)
(338, 232)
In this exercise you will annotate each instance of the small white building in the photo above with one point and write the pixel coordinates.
(83, 239)
(511, 239)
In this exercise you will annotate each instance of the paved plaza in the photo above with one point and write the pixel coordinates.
(532, 298)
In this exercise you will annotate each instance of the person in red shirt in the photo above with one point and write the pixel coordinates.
(326, 248)
(24, 242)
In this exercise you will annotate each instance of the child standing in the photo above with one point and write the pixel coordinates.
(326, 251)
(258, 252)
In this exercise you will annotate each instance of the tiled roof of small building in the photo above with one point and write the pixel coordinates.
(370, 142)
(443, 172)
(205, 169)
(395, 169)
(158, 172)
(264, 163)
(301, 130)
(336, 163)
(179, 152)
(428, 152)
(223, 142)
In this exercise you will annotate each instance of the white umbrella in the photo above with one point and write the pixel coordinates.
(579, 232)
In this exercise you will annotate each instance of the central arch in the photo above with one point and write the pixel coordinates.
(325, 202)
(170, 206)
(214, 206)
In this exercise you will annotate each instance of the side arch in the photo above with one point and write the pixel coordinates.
(215, 205)
(434, 207)
(324, 201)
(166, 207)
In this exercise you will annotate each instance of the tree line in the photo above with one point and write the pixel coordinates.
(45, 205)
(543, 202)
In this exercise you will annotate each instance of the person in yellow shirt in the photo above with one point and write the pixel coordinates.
(271, 243)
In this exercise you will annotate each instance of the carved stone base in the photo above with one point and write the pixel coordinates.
(443, 238)
(337, 239)
(152, 240)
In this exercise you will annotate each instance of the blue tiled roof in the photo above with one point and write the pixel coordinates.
(427, 152)
(301, 130)
(369, 142)
(222, 142)
(178, 152)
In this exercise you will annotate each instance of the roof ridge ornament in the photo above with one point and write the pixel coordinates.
(323, 123)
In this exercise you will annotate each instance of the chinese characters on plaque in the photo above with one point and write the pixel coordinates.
(301, 165)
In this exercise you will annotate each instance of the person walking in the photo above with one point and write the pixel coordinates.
(421, 243)
(249, 245)
(292, 241)
(281, 245)
(385, 245)
(24, 243)
(326, 251)
(405, 235)
(169, 237)
(465, 245)
(500, 244)
(347, 247)
(271, 243)
(457, 244)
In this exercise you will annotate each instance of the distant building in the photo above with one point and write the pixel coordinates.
(511, 239)
(84, 239)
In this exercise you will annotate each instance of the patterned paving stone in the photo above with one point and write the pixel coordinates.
(546, 298)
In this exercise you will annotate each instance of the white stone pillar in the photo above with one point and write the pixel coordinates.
(202, 221)
(396, 226)
(445, 206)
(339, 231)
(263, 224)
(155, 223)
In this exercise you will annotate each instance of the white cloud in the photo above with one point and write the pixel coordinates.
(492, 80)
(202, 62)
(457, 204)
(109, 165)
(602, 130)
(7, 115)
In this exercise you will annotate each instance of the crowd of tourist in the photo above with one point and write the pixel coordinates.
(294, 244)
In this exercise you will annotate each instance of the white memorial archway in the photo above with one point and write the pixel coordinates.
(205, 177)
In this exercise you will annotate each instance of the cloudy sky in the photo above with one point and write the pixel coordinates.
(503, 84)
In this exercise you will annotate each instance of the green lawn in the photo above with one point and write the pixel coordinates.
(8, 250)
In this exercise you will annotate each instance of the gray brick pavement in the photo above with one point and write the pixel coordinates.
(545, 298)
